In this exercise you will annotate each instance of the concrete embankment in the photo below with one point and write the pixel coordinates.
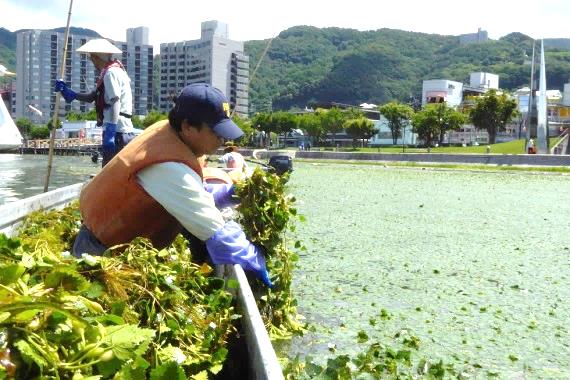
(489, 159)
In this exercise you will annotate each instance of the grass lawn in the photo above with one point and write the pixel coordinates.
(511, 147)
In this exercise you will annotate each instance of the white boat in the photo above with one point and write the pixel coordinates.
(10, 137)
(262, 360)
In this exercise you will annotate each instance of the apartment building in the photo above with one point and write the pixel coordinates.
(212, 59)
(38, 65)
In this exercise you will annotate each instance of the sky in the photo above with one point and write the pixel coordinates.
(179, 20)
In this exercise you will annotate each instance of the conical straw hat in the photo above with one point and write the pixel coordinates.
(99, 45)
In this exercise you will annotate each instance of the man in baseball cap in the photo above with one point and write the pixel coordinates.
(154, 187)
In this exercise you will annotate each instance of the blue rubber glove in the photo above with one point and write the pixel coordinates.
(68, 94)
(109, 136)
(223, 194)
(230, 246)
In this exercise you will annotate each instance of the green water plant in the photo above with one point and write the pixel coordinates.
(267, 214)
(377, 361)
(135, 313)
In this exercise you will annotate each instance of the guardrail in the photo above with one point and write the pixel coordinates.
(62, 143)
(263, 362)
(561, 145)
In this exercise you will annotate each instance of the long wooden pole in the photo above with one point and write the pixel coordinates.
(57, 100)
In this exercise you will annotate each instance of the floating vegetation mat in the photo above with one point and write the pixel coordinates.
(473, 267)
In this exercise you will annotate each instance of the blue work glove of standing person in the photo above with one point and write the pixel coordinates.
(224, 194)
(109, 131)
(230, 246)
(68, 94)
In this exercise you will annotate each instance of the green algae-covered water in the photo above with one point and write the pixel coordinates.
(474, 264)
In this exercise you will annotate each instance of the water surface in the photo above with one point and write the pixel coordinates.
(477, 265)
(22, 176)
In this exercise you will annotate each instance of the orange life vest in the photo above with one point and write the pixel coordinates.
(113, 205)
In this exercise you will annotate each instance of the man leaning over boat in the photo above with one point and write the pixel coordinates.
(154, 187)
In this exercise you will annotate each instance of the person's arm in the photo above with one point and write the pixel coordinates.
(88, 97)
(69, 95)
(180, 191)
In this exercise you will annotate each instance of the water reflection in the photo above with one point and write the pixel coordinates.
(22, 176)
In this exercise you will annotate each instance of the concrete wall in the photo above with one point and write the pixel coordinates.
(490, 159)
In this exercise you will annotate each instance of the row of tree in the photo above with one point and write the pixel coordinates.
(490, 112)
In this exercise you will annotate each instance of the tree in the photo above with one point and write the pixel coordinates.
(310, 124)
(75, 116)
(398, 116)
(152, 117)
(25, 126)
(426, 124)
(332, 121)
(284, 122)
(448, 119)
(261, 121)
(38, 132)
(492, 112)
(246, 127)
(360, 128)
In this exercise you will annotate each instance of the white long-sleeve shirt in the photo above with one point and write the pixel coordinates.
(180, 191)
(118, 90)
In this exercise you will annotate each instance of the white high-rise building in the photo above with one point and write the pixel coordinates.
(38, 61)
(138, 61)
(212, 59)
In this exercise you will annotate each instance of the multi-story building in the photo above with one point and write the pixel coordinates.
(470, 38)
(212, 59)
(138, 59)
(442, 91)
(38, 65)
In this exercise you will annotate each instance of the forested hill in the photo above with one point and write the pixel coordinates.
(304, 65)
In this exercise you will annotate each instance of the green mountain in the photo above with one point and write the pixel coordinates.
(306, 65)
(7, 51)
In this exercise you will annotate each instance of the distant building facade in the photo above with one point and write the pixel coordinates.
(212, 59)
(442, 91)
(470, 38)
(38, 65)
(484, 80)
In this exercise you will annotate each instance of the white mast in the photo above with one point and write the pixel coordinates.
(542, 123)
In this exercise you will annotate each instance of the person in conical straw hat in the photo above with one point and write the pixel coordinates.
(112, 96)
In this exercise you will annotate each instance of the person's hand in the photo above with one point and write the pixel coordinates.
(109, 131)
(224, 194)
(68, 94)
(230, 246)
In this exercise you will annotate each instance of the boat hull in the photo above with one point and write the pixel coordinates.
(9, 147)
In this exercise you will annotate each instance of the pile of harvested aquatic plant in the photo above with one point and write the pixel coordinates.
(267, 213)
(140, 313)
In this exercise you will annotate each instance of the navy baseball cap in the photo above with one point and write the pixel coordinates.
(202, 102)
